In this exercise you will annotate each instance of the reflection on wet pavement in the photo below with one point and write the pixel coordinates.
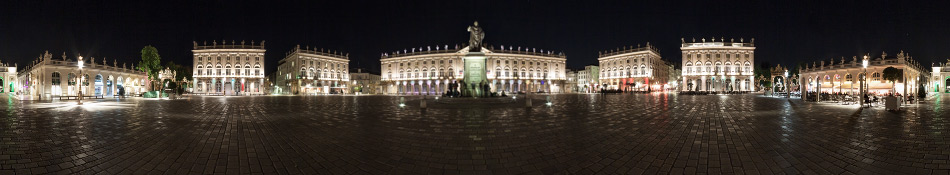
(576, 133)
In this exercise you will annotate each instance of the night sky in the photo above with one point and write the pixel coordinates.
(786, 32)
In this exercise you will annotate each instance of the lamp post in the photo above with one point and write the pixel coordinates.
(864, 63)
(785, 79)
(161, 86)
(79, 63)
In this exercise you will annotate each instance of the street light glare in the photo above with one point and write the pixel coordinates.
(79, 64)
(865, 62)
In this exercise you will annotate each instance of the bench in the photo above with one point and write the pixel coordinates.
(68, 97)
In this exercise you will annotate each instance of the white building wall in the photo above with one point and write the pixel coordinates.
(50, 78)
(510, 71)
(314, 72)
(718, 66)
(224, 69)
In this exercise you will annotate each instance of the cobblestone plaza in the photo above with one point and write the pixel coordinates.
(574, 134)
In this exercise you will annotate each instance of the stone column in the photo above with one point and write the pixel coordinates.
(751, 83)
(904, 81)
(194, 87)
(841, 84)
(703, 84)
(685, 84)
(210, 87)
(803, 88)
(112, 91)
(818, 89)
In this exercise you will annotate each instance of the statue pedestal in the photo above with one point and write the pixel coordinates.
(474, 74)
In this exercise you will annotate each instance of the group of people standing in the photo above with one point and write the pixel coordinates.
(480, 89)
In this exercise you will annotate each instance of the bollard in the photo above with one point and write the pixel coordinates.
(422, 104)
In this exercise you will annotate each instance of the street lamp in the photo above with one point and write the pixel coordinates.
(864, 63)
(79, 63)
(786, 84)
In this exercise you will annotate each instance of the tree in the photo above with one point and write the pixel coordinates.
(795, 69)
(181, 75)
(766, 85)
(181, 72)
(764, 69)
(150, 64)
(892, 74)
(764, 74)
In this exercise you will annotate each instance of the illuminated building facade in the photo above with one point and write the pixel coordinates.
(588, 80)
(570, 82)
(718, 66)
(364, 82)
(48, 78)
(634, 69)
(844, 76)
(428, 70)
(940, 78)
(309, 71)
(228, 68)
(8, 79)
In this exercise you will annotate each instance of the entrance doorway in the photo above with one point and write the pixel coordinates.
(946, 86)
(98, 84)
(228, 90)
(108, 88)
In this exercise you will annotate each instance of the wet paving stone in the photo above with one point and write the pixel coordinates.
(575, 134)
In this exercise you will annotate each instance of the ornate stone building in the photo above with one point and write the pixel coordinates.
(312, 71)
(588, 80)
(570, 82)
(844, 76)
(718, 66)
(675, 77)
(48, 78)
(940, 78)
(270, 87)
(634, 69)
(228, 68)
(365, 82)
(8, 79)
(428, 70)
